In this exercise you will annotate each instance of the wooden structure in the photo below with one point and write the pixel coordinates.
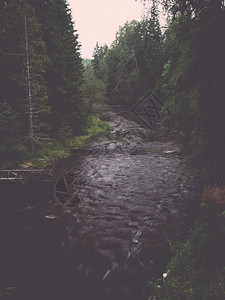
(21, 174)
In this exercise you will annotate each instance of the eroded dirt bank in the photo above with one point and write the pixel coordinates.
(132, 202)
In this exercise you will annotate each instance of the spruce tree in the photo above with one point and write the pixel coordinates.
(20, 40)
(133, 64)
(64, 73)
(40, 71)
(151, 54)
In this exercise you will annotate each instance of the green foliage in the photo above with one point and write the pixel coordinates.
(93, 90)
(52, 151)
(64, 73)
(133, 64)
(96, 127)
(13, 61)
(12, 146)
(65, 132)
(98, 55)
(197, 271)
(192, 85)
(13, 151)
(49, 97)
(48, 154)
(8, 121)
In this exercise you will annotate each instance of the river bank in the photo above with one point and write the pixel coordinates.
(133, 203)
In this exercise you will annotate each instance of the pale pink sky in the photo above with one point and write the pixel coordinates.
(99, 20)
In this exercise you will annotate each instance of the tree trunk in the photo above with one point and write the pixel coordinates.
(31, 127)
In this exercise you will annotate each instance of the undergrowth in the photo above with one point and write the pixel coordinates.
(60, 148)
(197, 270)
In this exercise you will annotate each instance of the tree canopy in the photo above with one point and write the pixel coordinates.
(194, 85)
(185, 64)
(133, 64)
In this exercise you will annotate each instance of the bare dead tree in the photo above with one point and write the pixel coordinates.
(32, 99)
(31, 126)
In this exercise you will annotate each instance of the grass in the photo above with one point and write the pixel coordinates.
(52, 151)
(48, 154)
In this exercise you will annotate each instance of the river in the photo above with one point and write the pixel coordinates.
(101, 228)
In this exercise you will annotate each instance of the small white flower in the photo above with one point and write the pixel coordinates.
(165, 275)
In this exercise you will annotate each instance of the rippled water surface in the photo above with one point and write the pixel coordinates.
(103, 227)
(132, 201)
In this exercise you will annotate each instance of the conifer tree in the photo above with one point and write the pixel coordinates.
(194, 86)
(151, 55)
(20, 39)
(40, 72)
(96, 60)
(64, 74)
(133, 64)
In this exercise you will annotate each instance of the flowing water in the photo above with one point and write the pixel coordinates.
(124, 201)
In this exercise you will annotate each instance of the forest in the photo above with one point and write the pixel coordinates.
(184, 64)
(43, 77)
(49, 96)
